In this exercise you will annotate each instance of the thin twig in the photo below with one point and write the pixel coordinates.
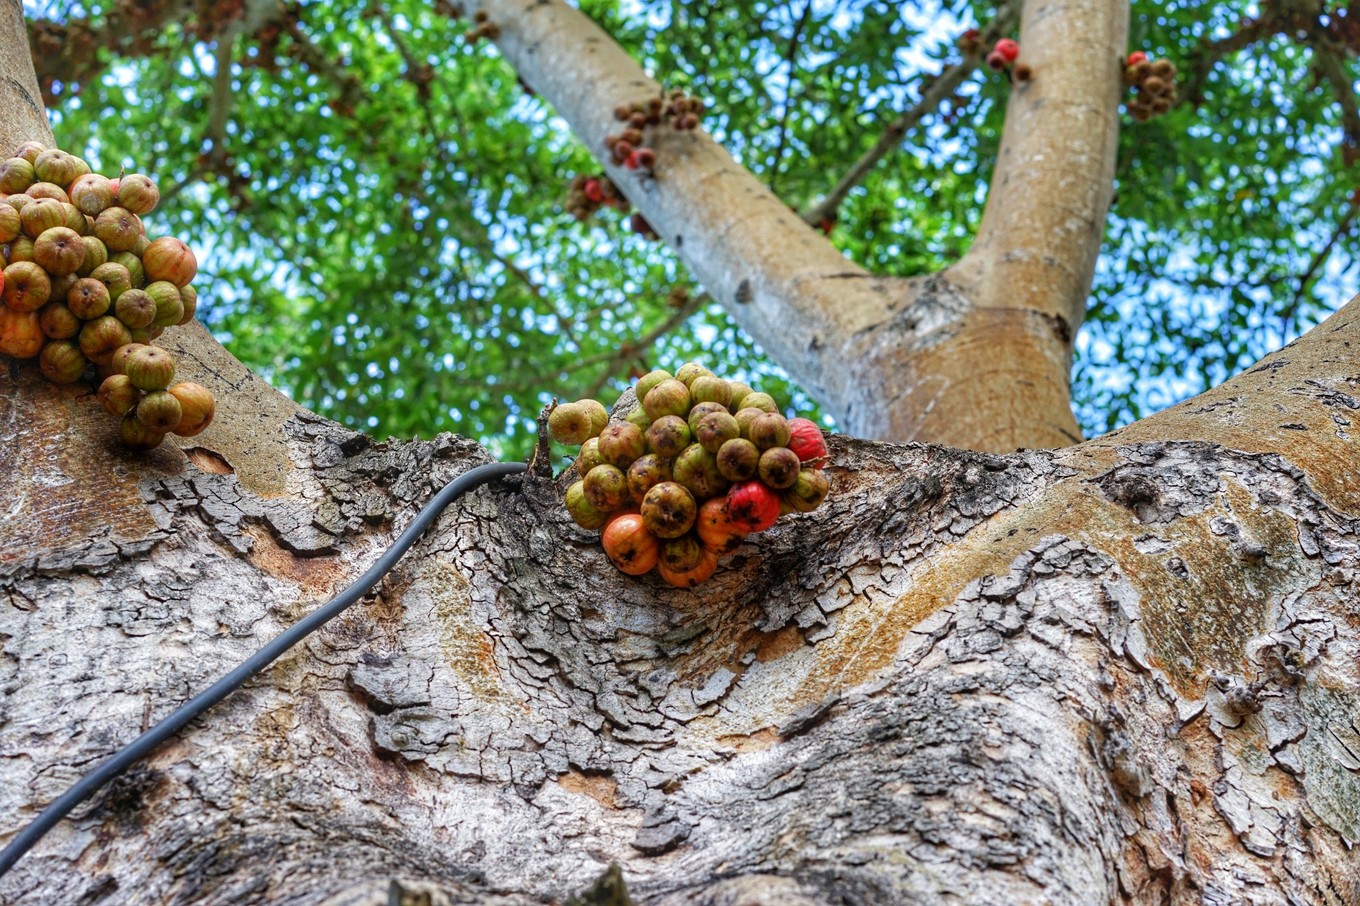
(1342, 228)
(941, 88)
(631, 351)
(791, 57)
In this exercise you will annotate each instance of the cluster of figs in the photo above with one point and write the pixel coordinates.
(689, 472)
(85, 290)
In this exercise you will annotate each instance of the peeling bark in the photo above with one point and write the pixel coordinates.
(1121, 672)
(1125, 671)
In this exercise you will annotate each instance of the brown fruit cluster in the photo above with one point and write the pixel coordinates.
(83, 286)
(1154, 82)
(588, 194)
(483, 28)
(626, 148)
(697, 465)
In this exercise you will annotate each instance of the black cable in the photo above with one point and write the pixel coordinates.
(143, 745)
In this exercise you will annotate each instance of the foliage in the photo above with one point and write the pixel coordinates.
(380, 212)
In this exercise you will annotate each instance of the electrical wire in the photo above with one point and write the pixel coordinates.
(143, 745)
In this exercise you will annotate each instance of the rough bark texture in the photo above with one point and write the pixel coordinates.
(975, 357)
(1122, 672)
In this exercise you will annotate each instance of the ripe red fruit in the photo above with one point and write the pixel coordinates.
(1137, 57)
(632, 162)
(632, 548)
(592, 190)
(715, 528)
(693, 576)
(805, 439)
(971, 34)
(1008, 49)
(646, 157)
(752, 506)
(996, 61)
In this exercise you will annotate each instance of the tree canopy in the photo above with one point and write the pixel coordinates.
(379, 204)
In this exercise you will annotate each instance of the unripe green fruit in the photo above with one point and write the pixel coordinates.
(716, 429)
(668, 436)
(645, 473)
(48, 190)
(96, 253)
(621, 444)
(188, 297)
(707, 388)
(808, 491)
(117, 228)
(768, 430)
(650, 380)
(137, 435)
(29, 151)
(40, 216)
(58, 321)
(136, 308)
(762, 401)
(88, 299)
(16, 175)
(159, 411)
(140, 246)
(568, 423)
(76, 222)
(117, 395)
(27, 286)
(739, 392)
(92, 193)
(606, 488)
(700, 412)
(589, 457)
(20, 249)
(779, 467)
(59, 251)
(638, 417)
(689, 371)
(11, 227)
(668, 510)
(667, 398)
(56, 166)
(62, 285)
(138, 194)
(582, 511)
(17, 201)
(133, 264)
(150, 368)
(197, 406)
(62, 362)
(169, 259)
(115, 277)
(118, 361)
(738, 460)
(599, 415)
(681, 554)
(697, 470)
(101, 337)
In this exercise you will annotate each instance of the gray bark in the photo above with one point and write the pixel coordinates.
(1123, 672)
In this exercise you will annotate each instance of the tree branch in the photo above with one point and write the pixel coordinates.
(790, 57)
(646, 341)
(939, 90)
(219, 107)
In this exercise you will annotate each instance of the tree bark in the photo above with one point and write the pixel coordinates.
(1121, 672)
(1124, 671)
(977, 356)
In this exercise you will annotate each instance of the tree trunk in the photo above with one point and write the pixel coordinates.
(1121, 672)
(1125, 671)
